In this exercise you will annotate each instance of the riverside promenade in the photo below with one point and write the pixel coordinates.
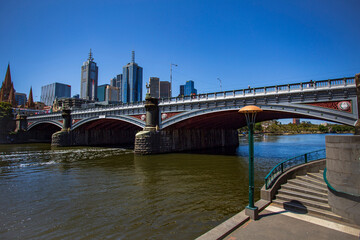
(278, 223)
(315, 197)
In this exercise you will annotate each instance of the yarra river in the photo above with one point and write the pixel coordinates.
(110, 193)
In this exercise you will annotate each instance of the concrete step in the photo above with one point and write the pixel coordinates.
(317, 176)
(304, 201)
(296, 207)
(290, 193)
(312, 181)
(308, 185)
(295, 188)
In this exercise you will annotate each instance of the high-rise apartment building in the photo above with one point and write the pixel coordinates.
(165, 89)
(20, 99)
(132, 82)
(188, 89)
(54, 90)
(89, 79)
(154, 84)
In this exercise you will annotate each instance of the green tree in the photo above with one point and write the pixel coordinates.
(323, 129)
(6, 119)
(258, 127)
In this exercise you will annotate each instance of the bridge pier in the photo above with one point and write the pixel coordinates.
(152, 141)
(21, 123)
(149, 140)
(63, 138)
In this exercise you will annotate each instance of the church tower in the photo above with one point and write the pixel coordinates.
(7, 91)
(30, 103)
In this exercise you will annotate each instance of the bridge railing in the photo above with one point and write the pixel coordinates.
(290, 163)
(311, 85)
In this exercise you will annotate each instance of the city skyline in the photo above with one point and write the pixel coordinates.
(242, 43)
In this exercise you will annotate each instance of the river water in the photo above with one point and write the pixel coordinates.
(110, 193)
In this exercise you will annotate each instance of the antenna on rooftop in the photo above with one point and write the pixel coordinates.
(90, 56)
(133, 56)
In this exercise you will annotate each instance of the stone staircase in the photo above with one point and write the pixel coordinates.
(306, 194)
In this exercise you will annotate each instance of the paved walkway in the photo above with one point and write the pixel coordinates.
(277, 223)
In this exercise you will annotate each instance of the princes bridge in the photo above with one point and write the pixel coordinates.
(205, 120)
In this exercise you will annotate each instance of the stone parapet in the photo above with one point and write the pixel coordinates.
(343, 174)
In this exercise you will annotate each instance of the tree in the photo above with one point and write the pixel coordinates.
(6, 117)
(323, 129)
(258, 127)
(5, 111)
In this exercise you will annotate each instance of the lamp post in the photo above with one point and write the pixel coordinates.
(175, 65)
(220, 84)
(250, 115)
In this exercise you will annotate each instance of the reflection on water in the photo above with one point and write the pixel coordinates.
(89, 192)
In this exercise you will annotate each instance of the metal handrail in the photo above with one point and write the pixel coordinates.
(333, 189)
(290, 163)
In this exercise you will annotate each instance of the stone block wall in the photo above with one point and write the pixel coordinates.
(95, 137)
(343, 174)
(178, 140)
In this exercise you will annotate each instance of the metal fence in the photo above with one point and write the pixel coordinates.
(290, 163)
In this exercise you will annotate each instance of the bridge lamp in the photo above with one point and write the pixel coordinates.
(250, 113)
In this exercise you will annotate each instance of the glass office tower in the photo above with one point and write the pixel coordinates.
(54, 90)
(132, 82)
(188, 89)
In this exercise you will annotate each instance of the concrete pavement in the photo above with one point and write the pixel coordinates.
(277, 223)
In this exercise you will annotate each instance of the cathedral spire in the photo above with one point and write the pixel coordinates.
(12, 100)
(7, 80)
(30, 103)
(6, 87)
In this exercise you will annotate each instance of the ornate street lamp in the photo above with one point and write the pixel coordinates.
(250, 114)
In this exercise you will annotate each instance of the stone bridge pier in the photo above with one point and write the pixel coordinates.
(152, 140)
(63, 138)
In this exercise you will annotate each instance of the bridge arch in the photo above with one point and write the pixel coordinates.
(42, 131)
(42, 122)
(109, 130)
(228, 117)
(127, 119)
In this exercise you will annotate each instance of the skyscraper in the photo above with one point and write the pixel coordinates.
(89, 79)
(117, 82)
(154, 84)
(132, 82)
(109, 93)
(54, 90)
(102, 92)
(182, 90)
(165, 87)
(188, 89)
(20, 99)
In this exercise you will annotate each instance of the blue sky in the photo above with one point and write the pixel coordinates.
(243, 43)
